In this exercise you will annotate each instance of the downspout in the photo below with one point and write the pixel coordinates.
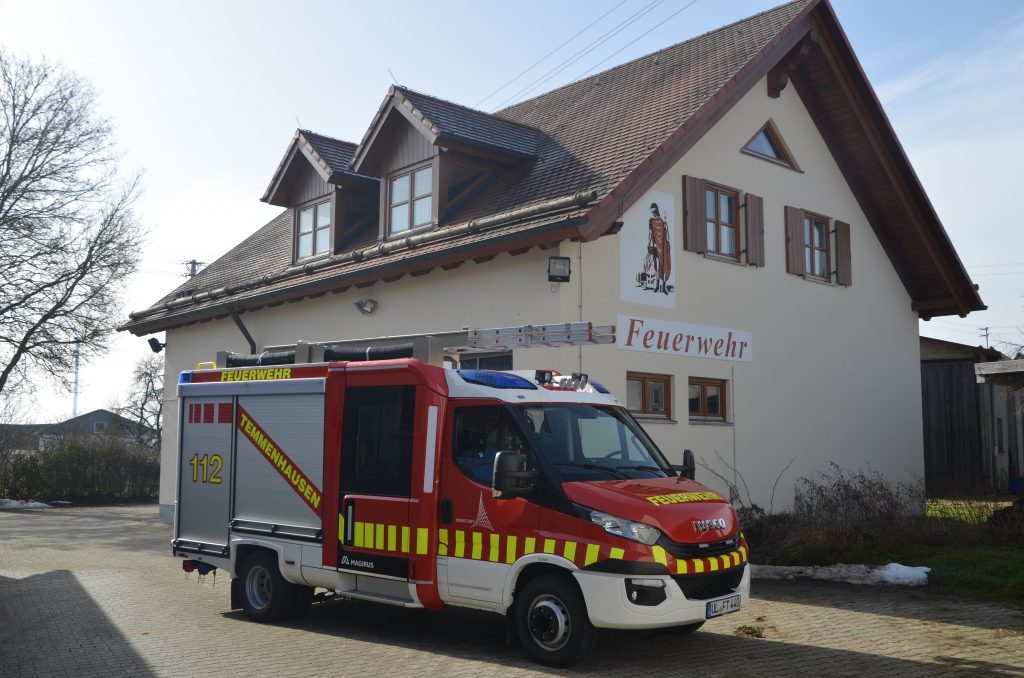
(242, 328)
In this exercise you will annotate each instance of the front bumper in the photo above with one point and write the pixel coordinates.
(609, 606)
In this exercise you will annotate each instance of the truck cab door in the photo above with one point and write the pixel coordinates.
(485, 536)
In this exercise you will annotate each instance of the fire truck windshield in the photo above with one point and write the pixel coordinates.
(585, 442)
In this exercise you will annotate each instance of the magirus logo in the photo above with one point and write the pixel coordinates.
(353, 562)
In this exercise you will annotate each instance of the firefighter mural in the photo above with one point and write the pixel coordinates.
(645, 252)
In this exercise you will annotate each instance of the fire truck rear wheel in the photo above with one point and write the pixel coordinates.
(266, 596)
(552, 621)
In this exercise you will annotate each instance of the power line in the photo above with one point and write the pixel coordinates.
(628, 44)
(633, 18)
(538, 61)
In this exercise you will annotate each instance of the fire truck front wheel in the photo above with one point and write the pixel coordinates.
(266, 596)
(552, 621)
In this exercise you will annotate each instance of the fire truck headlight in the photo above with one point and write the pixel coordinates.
(645, 534)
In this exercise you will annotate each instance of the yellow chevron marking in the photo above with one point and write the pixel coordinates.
(529, 546)
(460, 543)
(570, 550)
(442, 542)
(659, 555)
(341, 527)
(617, 554)
(698, 566)
(591, 557)
(477, 545)
(405, 539)
(392, 538)
(680, 567)
(495, 551)
(549, 546)
(359, 535)
(713, 564)
(510, 549)
(379, 539)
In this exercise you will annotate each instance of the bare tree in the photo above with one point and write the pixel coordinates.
(145, 402)
(68, 235)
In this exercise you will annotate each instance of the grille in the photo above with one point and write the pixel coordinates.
(715, 548)
(712, 585)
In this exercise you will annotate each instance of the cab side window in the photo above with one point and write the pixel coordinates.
(480, 433)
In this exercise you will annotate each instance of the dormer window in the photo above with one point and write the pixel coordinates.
(314, 229)
(411, 199)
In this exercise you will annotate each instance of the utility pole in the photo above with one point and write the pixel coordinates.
(74, 398)
(192, 266)
(984, 333)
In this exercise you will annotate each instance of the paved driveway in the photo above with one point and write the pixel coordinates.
(94, 592)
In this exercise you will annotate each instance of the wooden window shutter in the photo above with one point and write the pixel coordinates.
(795, 240)
(844, 270)
(695, 230)
(755, 229)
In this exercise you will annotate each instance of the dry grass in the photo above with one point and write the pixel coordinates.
(859, 517)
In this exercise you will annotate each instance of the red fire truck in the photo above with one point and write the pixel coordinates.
(534, 495)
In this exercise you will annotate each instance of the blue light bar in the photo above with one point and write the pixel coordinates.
(185, 378)
(495, 379)
(599, 388)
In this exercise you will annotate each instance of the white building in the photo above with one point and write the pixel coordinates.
(737, 204)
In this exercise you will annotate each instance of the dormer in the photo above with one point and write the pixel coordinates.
(432, 156)
(331, 205)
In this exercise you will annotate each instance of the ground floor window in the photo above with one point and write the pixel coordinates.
(707, 399)
(649, 394)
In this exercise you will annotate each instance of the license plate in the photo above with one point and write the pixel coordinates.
(717, 608)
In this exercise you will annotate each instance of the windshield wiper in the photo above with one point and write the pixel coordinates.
(640, 467)
(593, 467)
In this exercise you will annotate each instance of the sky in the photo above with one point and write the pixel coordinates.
(205, 97)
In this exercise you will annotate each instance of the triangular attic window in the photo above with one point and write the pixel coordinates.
(768, 144)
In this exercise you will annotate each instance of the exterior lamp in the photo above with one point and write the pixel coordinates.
(559, 269)
(155, 344)
(366, 306)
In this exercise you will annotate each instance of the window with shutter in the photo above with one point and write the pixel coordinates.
(811, 250)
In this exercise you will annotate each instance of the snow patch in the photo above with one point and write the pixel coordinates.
(19, 504)
(893, 573)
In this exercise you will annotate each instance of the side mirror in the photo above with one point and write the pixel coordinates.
(511, 479)
(688, 469)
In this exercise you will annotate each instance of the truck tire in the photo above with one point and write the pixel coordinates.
(266, 596)
(552, 621)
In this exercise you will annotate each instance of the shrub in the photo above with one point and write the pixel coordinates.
(83, 471)
(859, 516)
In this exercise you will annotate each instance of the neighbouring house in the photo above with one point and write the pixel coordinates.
(1002, 383)
(89, 426)
(736, 205)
